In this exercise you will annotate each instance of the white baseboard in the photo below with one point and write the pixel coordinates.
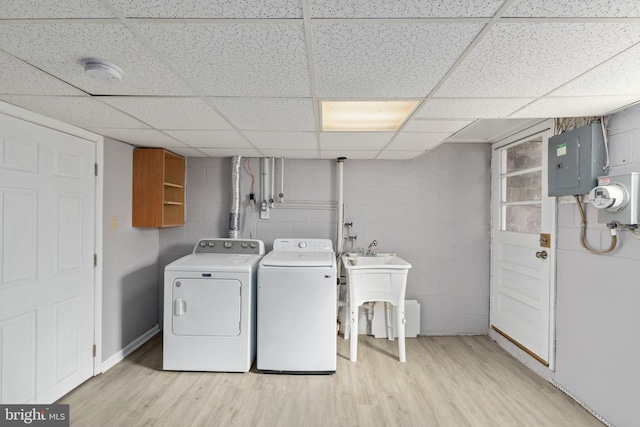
(119, 356)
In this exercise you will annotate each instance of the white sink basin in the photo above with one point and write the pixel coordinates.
(382, 277)
(382, 260)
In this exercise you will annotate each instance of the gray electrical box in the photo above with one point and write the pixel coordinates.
(576, 159)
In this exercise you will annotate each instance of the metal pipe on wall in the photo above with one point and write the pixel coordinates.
(234, 214)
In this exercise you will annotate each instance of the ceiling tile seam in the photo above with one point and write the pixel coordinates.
(635, 46)
(377, 21)
(219, 21)
(134, 30)
(306, 22)
(478, 38)
(568, 20)
(549, 95)
(44, 21)
(45, 72)
(474, 43)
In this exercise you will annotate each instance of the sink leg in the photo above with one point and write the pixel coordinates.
(353, 335)
(401, 320)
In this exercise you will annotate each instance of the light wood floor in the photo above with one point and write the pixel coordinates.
(447, 381)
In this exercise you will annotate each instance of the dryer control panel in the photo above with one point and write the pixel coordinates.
(229, 246)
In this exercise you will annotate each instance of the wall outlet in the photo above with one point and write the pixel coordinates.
(114, 222)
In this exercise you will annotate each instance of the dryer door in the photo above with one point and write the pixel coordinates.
(206, 307)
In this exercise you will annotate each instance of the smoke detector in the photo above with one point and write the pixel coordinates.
(102, 70)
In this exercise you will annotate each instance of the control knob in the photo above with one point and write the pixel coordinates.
(302, 245)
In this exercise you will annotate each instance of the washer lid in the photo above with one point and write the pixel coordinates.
(298, 259)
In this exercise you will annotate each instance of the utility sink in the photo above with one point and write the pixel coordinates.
(381, 260)
(380, 277)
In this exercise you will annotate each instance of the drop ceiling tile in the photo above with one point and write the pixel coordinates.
(573, 8)
(58, 49)
(20, 78)
(237, 59)
(492, 130)
(618, 76)
(45, 9)
(422, 125)
(83, 112)
(403, 8)
(390, 60)
(292, 154)
(210, 9)
(139, 137)
(170, 113)
(349, 154)
(210, 138)
(354, 140)
(416, 141)
(478, 108)
(230, 152)
(279, 114)
(575, 106)
(399, 155)
(282, 140)
(553, 53)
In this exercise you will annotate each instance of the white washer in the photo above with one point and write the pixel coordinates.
(210, 306)
(297, 307)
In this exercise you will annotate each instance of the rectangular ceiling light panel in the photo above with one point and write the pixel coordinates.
(365, 115)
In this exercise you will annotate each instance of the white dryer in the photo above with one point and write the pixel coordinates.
(297, 307)
(210, 305)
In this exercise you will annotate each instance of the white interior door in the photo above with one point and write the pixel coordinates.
(523, 269)
(47, 220)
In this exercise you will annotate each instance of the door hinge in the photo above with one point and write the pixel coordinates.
(95, 350)
(95, 260)
(96, 168)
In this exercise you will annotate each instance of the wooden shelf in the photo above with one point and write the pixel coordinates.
(158, 188)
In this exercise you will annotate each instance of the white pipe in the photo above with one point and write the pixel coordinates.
(340, 236)
(281, 193)
(273, 181)
(264, 192)
(234, 214)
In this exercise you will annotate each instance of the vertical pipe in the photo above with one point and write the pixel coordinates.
(264, 191)
(281, 193)
(234, 214)
(273, 181)
(340, 180)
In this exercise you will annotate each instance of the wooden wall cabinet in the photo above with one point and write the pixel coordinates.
(158, 188)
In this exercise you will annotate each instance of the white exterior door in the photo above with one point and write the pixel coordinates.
(47, 220)
(523, 269)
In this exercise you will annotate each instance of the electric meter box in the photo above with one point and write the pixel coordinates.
(576, 159)
(617, 198)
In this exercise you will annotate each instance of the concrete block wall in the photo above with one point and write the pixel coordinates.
(433, 211)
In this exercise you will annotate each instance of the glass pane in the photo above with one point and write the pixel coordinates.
(523, 156)
(522, 218)
(522, 188)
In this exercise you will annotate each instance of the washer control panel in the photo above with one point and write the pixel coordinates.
(307, 245)
(229, 246)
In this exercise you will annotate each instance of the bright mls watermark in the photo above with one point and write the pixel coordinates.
(34, 415)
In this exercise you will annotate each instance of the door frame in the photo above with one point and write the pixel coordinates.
(545, 126)
(98, 140)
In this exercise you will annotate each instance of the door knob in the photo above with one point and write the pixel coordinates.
(541, 254)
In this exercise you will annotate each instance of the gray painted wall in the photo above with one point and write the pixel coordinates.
(598, 298)
(130, 257)
(432, 211)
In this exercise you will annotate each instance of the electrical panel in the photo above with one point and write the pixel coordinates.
(576, 159)
(617, 198)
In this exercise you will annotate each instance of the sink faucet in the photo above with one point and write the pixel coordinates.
(370, 250)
